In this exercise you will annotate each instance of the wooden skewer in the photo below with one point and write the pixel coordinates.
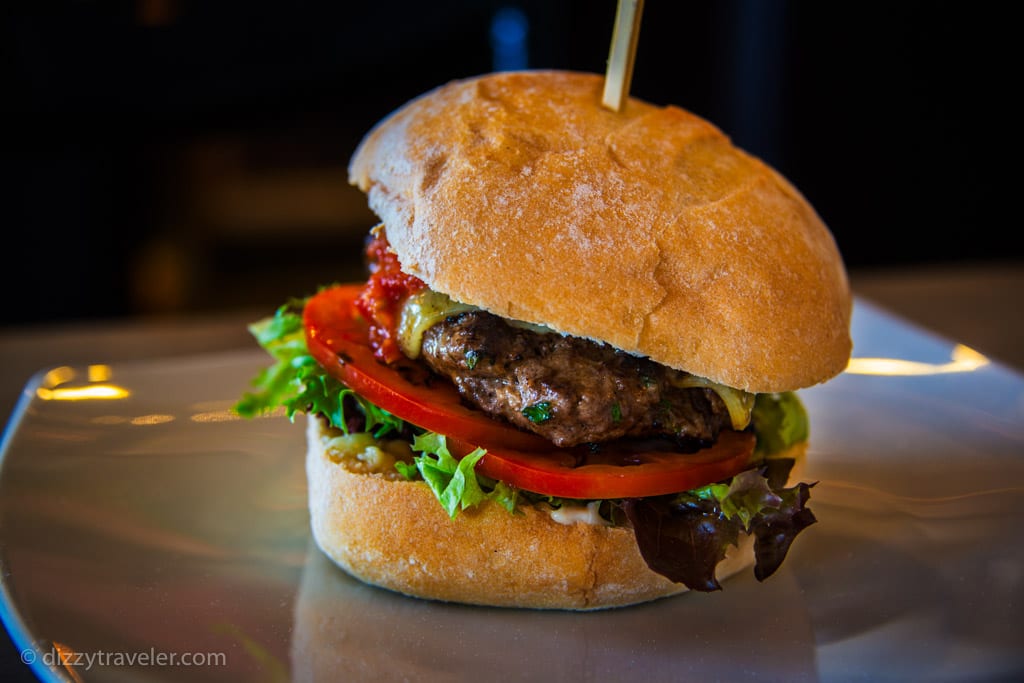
(622, 54)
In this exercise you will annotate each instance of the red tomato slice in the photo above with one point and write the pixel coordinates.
(337, 338)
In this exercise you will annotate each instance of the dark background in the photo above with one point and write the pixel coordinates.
(165, 156)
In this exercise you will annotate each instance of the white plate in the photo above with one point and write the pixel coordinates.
(146, 528)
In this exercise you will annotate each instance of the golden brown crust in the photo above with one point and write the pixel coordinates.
(645, 229)
(394, 534)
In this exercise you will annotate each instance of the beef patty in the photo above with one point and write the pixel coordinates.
(568, 390)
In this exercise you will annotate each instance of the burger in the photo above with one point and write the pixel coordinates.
(568, 380)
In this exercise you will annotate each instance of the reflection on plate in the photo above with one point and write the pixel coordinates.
(346, 630)
(146, 534)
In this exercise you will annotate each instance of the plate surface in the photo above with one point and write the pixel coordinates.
(147, 535)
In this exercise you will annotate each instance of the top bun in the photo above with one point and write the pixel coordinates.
(646, 229)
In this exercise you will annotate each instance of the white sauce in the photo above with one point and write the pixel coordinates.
(571, 513)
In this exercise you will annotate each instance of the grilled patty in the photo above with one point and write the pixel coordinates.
(568, 390)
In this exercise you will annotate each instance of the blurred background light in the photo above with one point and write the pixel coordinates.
(509, 30)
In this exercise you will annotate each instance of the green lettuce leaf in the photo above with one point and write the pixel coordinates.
(455, 483)
(297, 383)
(751, 493)
(748, 495)
(280, 384)
(779, 421)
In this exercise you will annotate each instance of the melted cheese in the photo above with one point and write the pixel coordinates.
(422, 311)
(739, 403)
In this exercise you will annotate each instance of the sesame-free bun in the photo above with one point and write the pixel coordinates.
(646, 229)
(393, 533)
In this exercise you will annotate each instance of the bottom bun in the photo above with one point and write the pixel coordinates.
(393, 533)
